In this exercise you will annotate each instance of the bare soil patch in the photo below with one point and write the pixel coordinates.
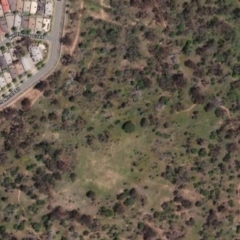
(32, 94)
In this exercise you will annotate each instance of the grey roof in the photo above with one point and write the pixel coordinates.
(3, 25)
(25, 20)
(13, 72)
(3, 63)
(13, 5)
(41, 7)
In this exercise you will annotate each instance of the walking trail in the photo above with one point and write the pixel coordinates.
(187, 110)
(94, 53)
(227, 110)
(19, 196)
(78, 29)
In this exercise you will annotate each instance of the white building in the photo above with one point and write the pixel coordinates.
(7, 77)
(27, 63)
(26, 6)
(1, 11)
(2, 82)
(46, 24)
(42, 47)
(33, 8)
(10, 20)
(8, 57)
(36, 54)
(49, 8)
(39, 24)
(17, 21)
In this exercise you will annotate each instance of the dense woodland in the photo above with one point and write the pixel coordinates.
(136, 133)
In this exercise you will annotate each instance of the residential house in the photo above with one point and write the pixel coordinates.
(8, 57)
(5, 5)
(13, 72)
(7, 77)
(26, 6)
(17, 21)
(36, 54)
(39, 24)
(27, 63)
(3, 25)
(41, 7)
(3, 63)
(2, 82)
(48, 8)
(32, 23)
(13, 5)
(1, 11)
(46, 24)
(34, 6)
(19, 68)
(10, 20)
(25, 21)
(20, 5)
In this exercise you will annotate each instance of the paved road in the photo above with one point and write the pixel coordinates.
(53, 55)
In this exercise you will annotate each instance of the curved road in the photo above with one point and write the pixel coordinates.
(54, 54)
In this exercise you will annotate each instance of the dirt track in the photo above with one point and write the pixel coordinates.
(78, 29)
(187, 110)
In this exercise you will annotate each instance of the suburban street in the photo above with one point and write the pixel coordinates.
(54, 51)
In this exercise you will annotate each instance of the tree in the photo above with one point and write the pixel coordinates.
(91, 194)
(26, 104)
(128, 127)
(41, 86)
(2, 229)
(14, 29)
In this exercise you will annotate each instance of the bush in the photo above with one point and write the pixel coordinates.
(143, 122)
(91, 194)
(106, 212)
(128, 127)
(2, 229)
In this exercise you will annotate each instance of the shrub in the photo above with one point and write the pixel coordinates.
(2, 229)
(91, 194)
(128, 127)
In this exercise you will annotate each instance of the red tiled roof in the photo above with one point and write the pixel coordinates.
(5, 6)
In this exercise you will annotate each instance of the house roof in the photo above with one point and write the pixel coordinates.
(1, 11)
(48, 8)
(10, 20)
(34, 6)
(20, 5)
(3, 25)
(13, 72)
(13, 5)
(46, 24)
(26, 6)
(39, 23)
(7, 77)
(32, 23)
(19, 68)
(8, 57)
(5, 5)
(17, 20)
(2, 81)
(25, 20)
(36, 54)
(40, 8)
